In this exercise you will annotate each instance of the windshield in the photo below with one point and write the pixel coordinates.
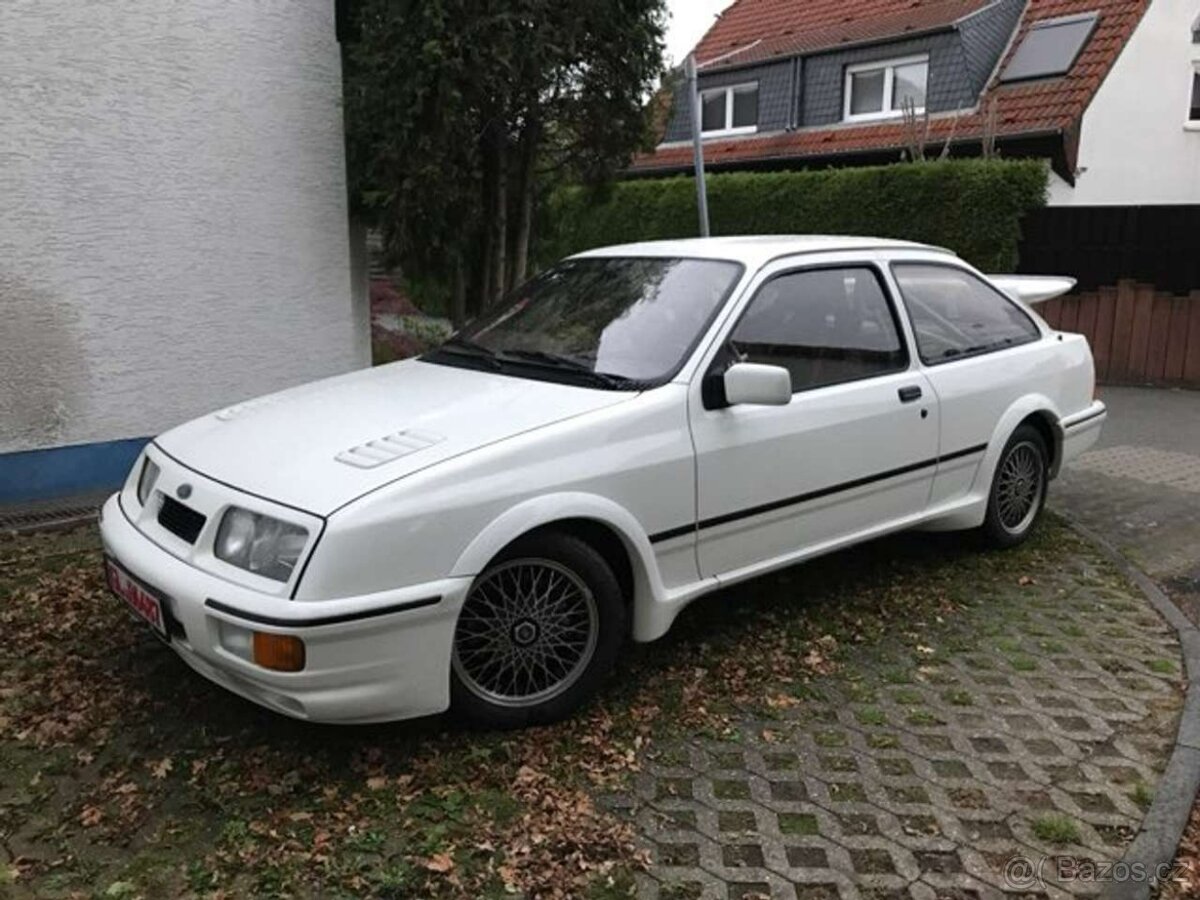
(616, 322)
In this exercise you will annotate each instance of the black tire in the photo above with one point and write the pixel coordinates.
(1022, 477)
(491, 627)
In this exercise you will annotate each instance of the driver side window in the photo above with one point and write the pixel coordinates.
(825, 326)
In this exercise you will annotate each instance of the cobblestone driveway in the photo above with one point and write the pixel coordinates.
(1033, 726)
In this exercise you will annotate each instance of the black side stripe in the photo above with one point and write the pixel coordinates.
(1085, 419)
(672, 534)
(726, 518)
(321, 620)
(959, 454)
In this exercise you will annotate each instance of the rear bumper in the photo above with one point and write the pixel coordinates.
(1081, 430)
(374, 658)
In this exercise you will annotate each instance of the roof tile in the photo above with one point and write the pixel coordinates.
(754, 30)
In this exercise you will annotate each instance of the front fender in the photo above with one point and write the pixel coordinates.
(539, 512)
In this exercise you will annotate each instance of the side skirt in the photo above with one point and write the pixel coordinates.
(653, 622)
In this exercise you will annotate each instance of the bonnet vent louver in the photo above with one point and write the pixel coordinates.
(385, 449)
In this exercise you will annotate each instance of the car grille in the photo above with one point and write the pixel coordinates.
(182, 521)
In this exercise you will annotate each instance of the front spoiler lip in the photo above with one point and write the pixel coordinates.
(319, 621)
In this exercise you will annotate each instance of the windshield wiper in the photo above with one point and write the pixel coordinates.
(461, 346)
(569, 364)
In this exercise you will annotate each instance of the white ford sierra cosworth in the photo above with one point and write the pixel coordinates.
(484, 527)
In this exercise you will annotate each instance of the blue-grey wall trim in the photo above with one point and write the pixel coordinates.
(64, 471)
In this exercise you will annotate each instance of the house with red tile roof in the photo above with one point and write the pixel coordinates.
(1107, 90)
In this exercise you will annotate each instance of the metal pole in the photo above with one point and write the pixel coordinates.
(697, 143)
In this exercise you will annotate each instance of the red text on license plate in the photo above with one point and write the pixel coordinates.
(139, 599)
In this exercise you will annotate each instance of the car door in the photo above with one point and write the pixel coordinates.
(854, 450)
(981, 353)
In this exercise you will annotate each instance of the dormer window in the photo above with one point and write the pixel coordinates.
(1194, 113)
(729, 110)
(882, 90)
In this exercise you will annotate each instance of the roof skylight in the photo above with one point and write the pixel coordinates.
(1050, 47)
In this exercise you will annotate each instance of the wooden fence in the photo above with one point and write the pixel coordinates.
(1139, 335)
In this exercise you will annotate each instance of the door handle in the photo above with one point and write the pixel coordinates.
(910, 394)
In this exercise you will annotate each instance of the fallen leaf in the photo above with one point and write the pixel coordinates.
(91, 816)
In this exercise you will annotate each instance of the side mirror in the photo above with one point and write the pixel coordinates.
(757, 385)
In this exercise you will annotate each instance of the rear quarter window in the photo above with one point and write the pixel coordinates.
(957, 314)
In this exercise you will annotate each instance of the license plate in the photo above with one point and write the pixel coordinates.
(140, 598)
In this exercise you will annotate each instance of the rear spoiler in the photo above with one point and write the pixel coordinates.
(1033, 289)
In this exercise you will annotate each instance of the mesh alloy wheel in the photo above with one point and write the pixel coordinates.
(527, 632)
(1019, 487)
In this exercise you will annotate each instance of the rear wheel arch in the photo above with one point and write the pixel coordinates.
(1035, 408)
(1017, 493)
(1047, 425)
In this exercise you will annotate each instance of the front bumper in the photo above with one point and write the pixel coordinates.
(373, 658)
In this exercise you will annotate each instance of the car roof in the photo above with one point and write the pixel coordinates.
(755, 250)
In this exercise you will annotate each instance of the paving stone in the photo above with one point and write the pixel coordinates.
(896, 781)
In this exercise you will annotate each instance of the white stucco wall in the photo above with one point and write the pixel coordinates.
(173, 214)
(1135, 148)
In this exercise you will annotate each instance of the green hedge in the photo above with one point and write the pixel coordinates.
(973, 207)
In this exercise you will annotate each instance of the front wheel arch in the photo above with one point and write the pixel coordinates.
(612, 529)
(601, 537)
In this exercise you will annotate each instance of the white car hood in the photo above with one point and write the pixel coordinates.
(319, 446)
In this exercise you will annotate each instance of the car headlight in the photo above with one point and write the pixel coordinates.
(146, 480)
(259, 544)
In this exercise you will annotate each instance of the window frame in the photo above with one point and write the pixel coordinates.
(729, 90)
(723, 357)
(1039, 333)
(1189, 123)
(889, 67)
